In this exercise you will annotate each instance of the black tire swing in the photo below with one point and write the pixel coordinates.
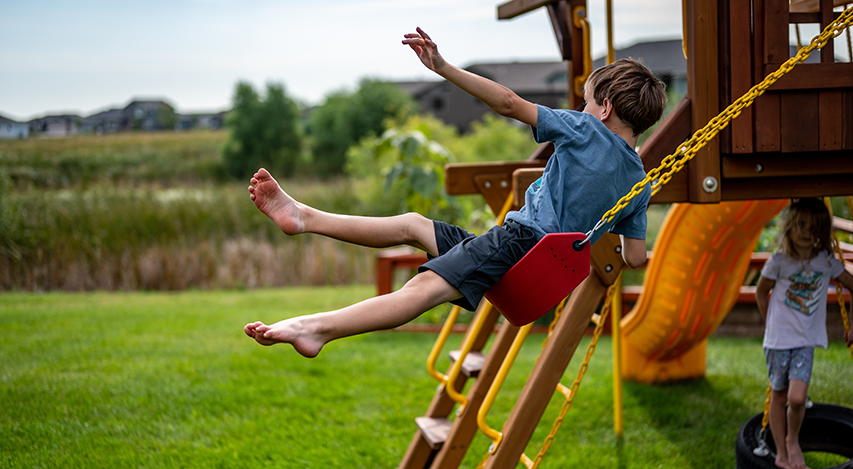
(826, 428)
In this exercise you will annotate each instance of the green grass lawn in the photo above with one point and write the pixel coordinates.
(169, 380)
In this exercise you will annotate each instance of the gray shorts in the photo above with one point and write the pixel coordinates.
(472, 264)
(785, 365)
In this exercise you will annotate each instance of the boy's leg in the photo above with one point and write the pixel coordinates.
(797, 396)
(778, 425)
(309, 333)
(293, 218)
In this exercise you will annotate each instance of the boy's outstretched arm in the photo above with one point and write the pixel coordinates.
(498, 97)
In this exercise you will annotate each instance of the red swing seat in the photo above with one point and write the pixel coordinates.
(542, 278)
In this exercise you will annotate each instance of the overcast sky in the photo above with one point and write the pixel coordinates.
(86, 56)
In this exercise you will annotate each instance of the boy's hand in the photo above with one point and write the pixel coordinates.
(850, 337)
(426, 49)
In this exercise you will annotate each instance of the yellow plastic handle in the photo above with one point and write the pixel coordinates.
(486, 406)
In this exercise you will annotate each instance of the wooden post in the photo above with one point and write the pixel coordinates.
(465, 426)
(703, 88)
(741, 66)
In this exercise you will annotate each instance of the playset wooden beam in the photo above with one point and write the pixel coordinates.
(510, 10)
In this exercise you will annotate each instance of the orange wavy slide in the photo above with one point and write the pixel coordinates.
(700, 259)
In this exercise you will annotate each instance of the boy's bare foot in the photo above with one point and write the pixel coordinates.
(795, 455)
(781, 463)
(270, 199)
(290, 331)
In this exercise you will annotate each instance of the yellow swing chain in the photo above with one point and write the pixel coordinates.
(571, 392)
(839, 293)
(673, 163)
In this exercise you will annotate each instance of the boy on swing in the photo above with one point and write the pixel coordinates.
(593, 166)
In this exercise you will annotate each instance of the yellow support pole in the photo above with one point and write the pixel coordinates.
(439, 344)
(447, 380)
(616, 334)
(579, 19)
(611, 54)
(486, 406)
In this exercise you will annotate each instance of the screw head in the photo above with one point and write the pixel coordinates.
(710, 184)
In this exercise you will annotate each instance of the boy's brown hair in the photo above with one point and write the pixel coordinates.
(814, 216)
(638, 97)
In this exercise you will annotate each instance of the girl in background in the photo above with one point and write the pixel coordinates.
(796, 278)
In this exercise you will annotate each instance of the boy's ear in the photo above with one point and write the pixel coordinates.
(606, 109)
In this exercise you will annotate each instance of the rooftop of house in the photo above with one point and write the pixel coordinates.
(663, 58)
(6, 120)
(524, 77)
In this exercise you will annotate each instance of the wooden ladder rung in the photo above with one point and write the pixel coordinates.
(434, 430)
(473, 362)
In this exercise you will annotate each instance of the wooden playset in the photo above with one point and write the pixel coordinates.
(729, 164)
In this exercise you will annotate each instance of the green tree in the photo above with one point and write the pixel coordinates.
(345, 118)
(264, 131)
(166, 117)
(494, 139)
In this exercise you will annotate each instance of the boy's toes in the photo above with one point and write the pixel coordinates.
(250, 328)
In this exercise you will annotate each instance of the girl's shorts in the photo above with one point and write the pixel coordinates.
(785, 365)
(472, 264)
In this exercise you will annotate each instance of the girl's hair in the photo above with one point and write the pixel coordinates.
(814, 216)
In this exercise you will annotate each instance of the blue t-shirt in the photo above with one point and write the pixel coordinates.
(591, 169)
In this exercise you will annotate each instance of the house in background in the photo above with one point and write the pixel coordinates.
(664, 58)
(145, 115)
(104, 122)
(539, 82)
(211, 121)
(148, 115)
(10, 129)
(61, 125)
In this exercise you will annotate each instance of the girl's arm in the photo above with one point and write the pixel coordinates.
(761, 291)
(846, 280)
(498, 97)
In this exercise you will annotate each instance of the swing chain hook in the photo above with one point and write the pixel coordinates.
(578, 245)
(762, 450)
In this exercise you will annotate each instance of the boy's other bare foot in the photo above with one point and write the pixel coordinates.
(781, 463)
(795, 455)
(270, 199)
(289, 331)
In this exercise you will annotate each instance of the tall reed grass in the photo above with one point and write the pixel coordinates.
(127, 158)
(152, 211)
(167, 239)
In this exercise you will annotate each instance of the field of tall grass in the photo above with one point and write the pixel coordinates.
(153, 212)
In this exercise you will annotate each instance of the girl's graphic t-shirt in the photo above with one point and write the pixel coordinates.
(796, 314)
